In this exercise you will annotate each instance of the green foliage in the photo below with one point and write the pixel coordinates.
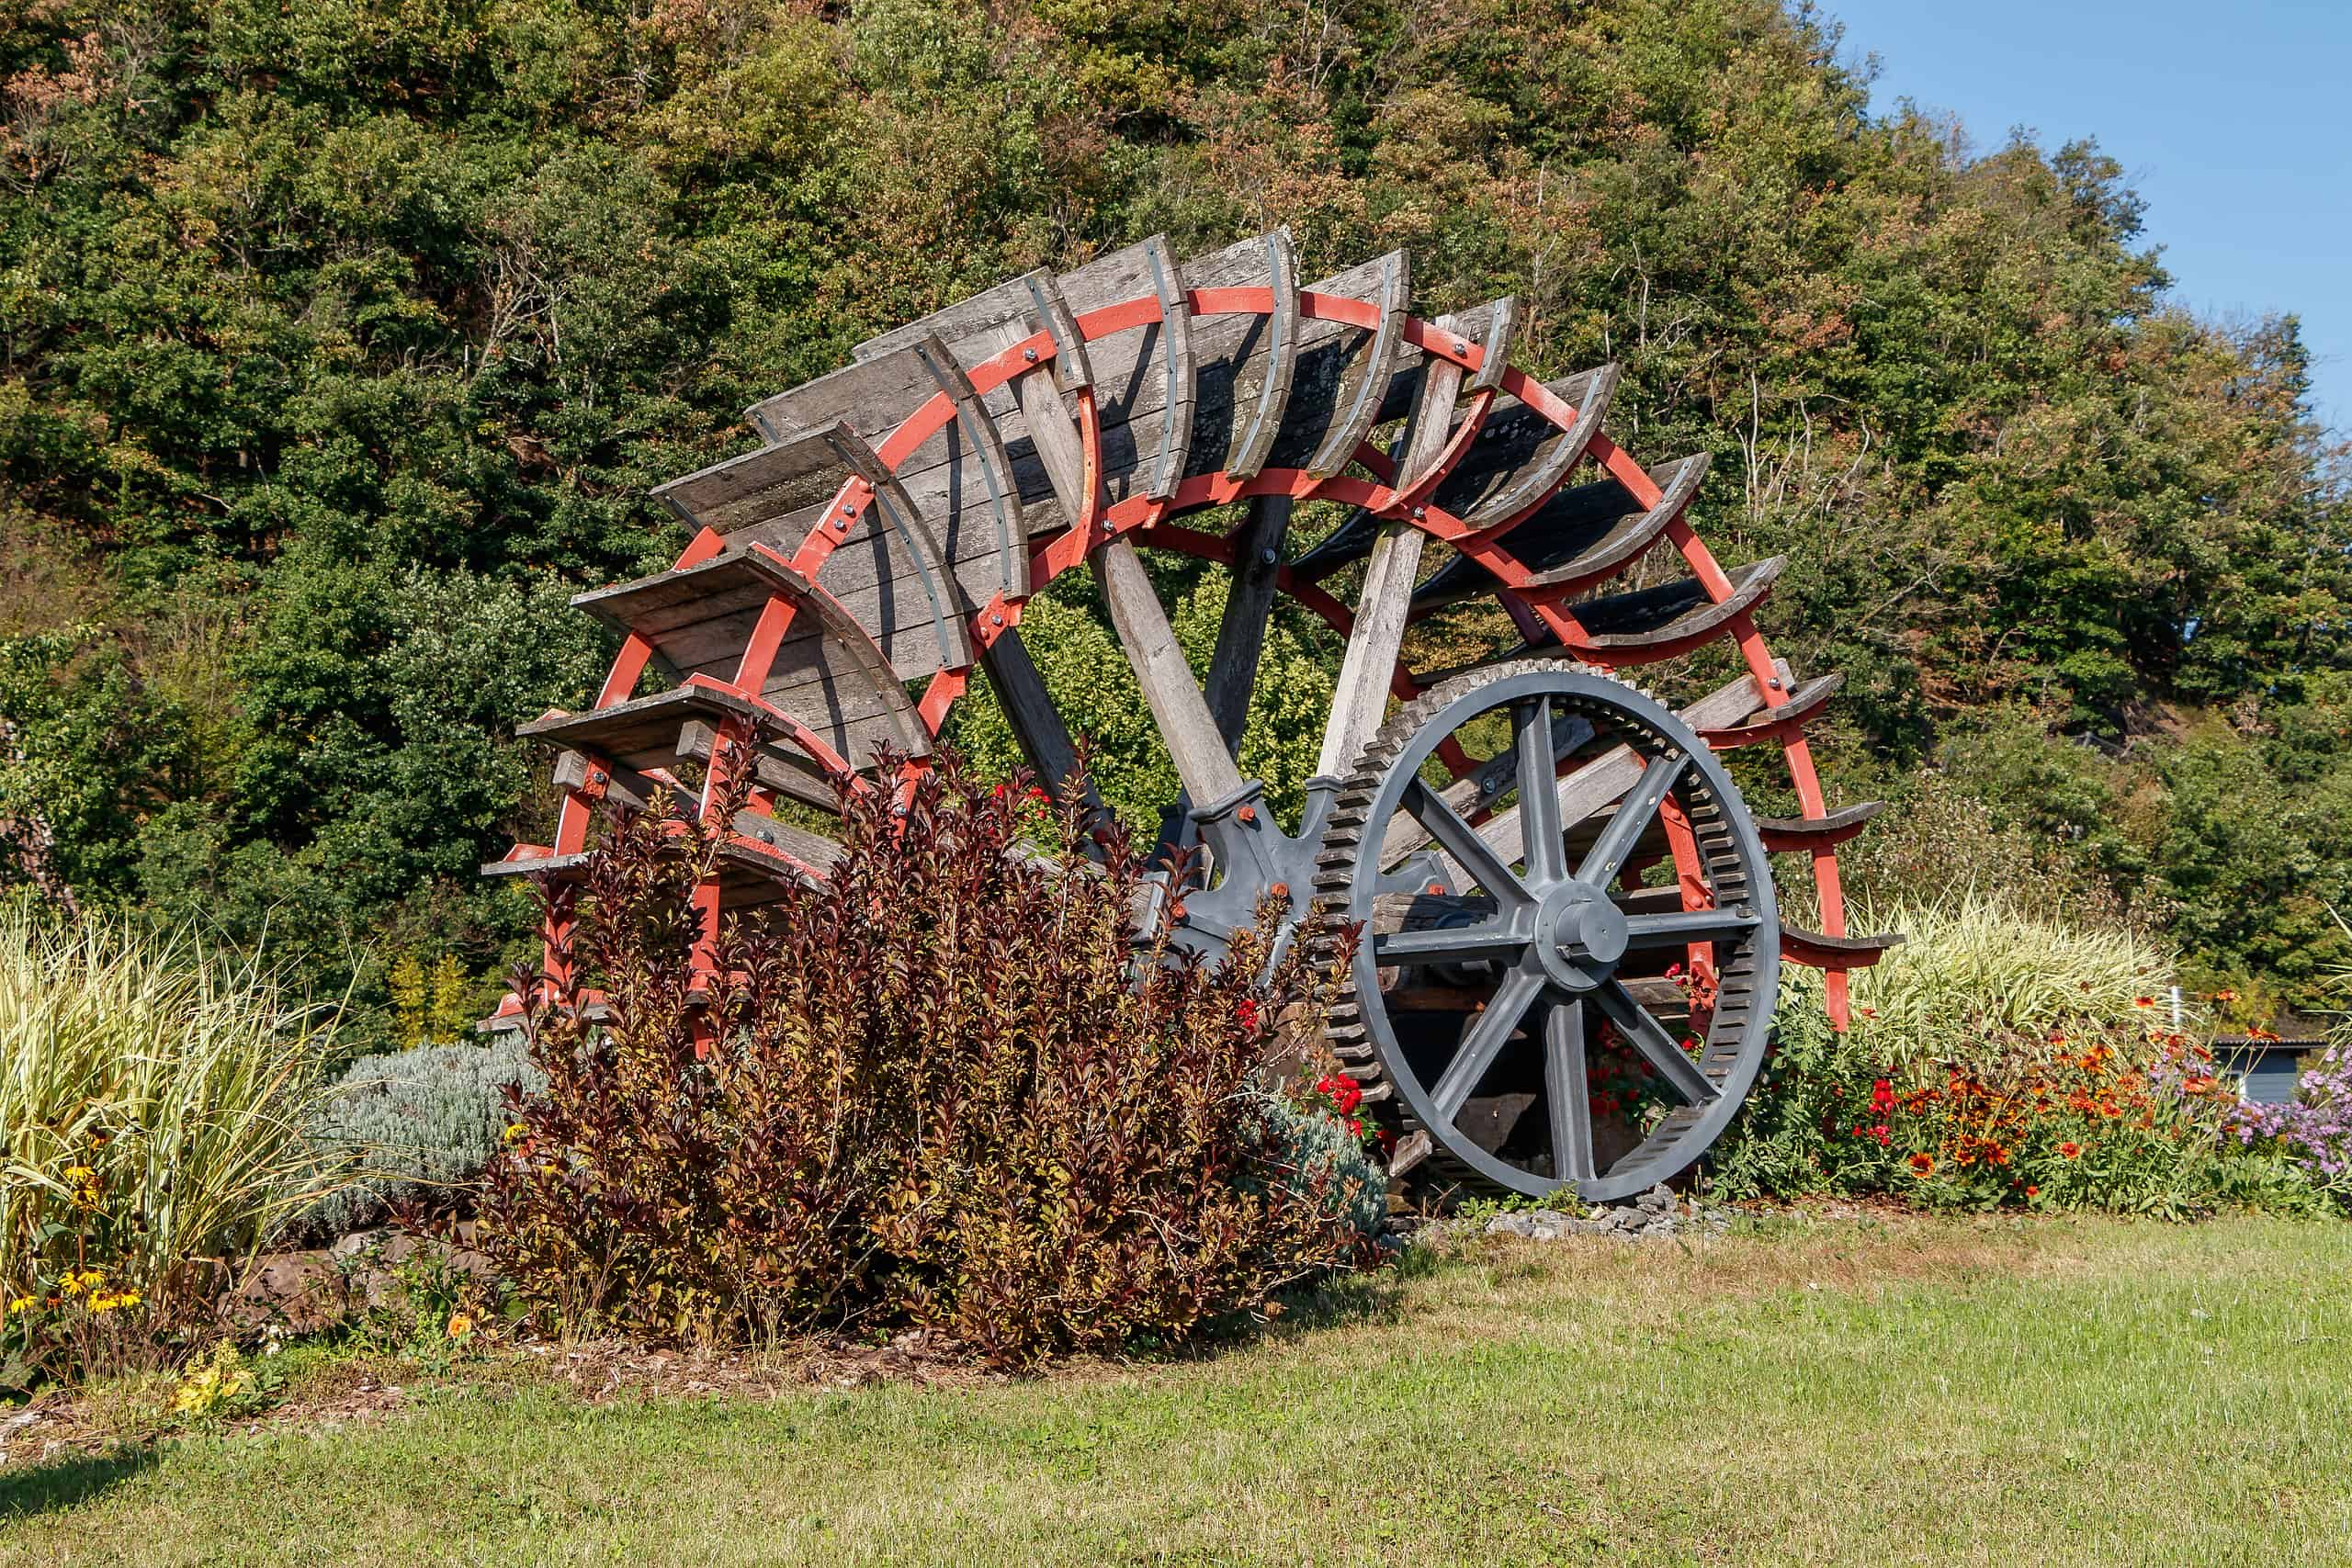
(2012, 1068)
(1319, 1160)
(421, 1125)
(1087, 674)
(948, 1089)
(155, 1093)
(340, 341)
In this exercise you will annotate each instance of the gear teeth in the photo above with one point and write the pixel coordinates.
(1351, 1031)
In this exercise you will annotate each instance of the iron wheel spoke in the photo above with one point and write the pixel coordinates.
(1689, 926)
(1485, 1041)
(1455, 945)
(1460, 840)
(1541, 842)
(1567, 1082)
(1660, 1049)
(1609, 850)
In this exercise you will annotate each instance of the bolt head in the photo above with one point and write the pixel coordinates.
(1248, 814)
(1420, 513)
(996, 620)
(1029, 355)
(1281, 890)
(1435, 890)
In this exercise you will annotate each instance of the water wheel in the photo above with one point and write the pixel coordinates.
(847, 577)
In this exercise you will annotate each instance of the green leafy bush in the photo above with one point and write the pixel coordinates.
(946, 1090)
(422, 1124)
(154, 1096)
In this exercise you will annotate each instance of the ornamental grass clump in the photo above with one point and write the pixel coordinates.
(1986, 967)
(155, 1093)
(950, 1088)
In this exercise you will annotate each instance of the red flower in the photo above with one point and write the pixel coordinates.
(1882, 1096)
(2069, 1150)
(2032, 1190)
(1246, 1010)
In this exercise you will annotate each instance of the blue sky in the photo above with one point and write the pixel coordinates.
(2234, 121)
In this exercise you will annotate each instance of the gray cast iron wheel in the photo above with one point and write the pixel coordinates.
(1505, 941)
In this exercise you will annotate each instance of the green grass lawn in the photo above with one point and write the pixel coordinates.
(1921, 1391)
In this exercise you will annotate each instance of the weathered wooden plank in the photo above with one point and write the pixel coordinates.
(1072, 371)
(827, 672)
(630, 790)
(1807, 833)
(1361, 697)
(1672, 613)
(1366, 387)
(1521, 457)
(641, 733)
(1003, 493)
(1263, 380)
(788, 773)
(1038, 725)
(1249, 600)
(802, 470)
(1579, 536)
(1502, 321)
(1180, 375)
(1796, 708)
(1206, 770)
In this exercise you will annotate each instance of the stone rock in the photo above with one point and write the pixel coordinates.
(1657, 1200)
(300, 1292)
(379, 1264)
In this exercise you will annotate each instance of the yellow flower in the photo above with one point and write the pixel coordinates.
(513, 1131)
(460, 1326)
(104, 1303)
(22, 1303)
(77, 1173)
(128, 1298)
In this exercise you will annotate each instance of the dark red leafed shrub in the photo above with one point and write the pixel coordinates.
(944, 1089)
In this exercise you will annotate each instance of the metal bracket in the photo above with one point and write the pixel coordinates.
(1251, 860)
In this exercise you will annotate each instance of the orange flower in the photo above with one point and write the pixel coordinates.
(1923, 1165)
(2069, 1150)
